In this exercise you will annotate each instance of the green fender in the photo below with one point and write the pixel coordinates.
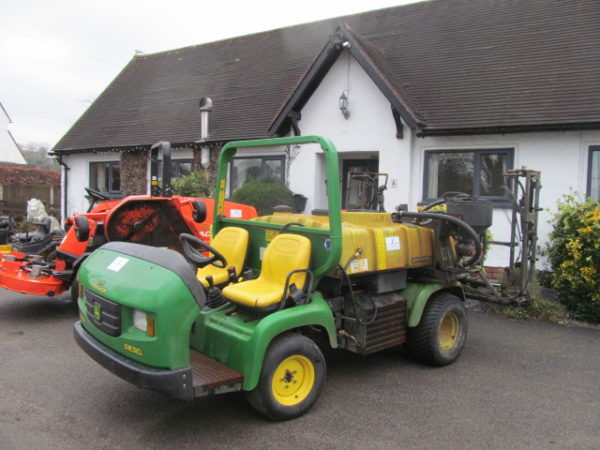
(316, 313)
(417, 295)
(241, 343)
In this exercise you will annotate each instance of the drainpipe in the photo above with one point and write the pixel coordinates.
(66, 184)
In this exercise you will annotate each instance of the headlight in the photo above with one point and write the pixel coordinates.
(143, 322)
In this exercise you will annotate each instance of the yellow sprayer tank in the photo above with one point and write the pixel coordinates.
(371, 241)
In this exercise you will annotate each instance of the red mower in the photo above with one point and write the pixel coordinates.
(155, 220)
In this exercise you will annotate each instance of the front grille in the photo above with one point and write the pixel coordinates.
(103, 313)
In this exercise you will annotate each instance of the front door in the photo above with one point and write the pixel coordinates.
(351, 190)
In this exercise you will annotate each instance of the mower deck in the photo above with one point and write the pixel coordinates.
(13, 277)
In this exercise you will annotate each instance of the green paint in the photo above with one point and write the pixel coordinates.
(322, 262)
(240, 340)
(418, 294)
(150, 288)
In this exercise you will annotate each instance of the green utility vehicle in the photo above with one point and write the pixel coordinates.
(248, 316)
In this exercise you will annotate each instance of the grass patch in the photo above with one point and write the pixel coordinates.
(537, 309)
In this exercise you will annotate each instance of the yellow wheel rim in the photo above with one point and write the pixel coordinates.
(293, 380)
(449, 330)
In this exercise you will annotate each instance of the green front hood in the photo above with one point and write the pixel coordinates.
(136, 283)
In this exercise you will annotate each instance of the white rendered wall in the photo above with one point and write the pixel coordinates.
(561, 157)
(79, 178)
(370, 128)
(79, 175)
(9, 152)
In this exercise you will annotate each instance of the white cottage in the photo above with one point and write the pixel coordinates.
(442, 96)
(9, 150)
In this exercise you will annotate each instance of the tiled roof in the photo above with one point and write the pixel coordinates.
(457, 65)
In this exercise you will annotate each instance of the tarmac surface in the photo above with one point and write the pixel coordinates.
(517, 384)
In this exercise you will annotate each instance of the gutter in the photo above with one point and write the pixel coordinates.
(66, 183)
(424, 132)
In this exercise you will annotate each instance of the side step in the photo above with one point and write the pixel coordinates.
(213, 377)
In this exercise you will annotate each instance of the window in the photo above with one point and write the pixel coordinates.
(593, 182)
(245, 169)
(179, 168)
(105, 176)
(475, 172)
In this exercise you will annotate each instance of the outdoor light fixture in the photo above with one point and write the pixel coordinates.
(344, 106)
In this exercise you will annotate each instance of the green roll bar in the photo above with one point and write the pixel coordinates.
(334, 234)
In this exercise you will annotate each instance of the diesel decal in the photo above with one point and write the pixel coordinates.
(99, 286)
(132, 349)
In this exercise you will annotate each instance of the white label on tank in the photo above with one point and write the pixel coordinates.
(117, 264)
(261, 252)
(235, 213)
(392, 243)
(359, 265)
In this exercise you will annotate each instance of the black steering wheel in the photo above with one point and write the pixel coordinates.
(97, 195)
(194, 255)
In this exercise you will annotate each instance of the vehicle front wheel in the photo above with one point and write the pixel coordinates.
(74, 291)
(291, 379)
(441, 335)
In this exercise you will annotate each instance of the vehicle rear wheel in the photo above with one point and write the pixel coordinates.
(441, 335)
(291, 379)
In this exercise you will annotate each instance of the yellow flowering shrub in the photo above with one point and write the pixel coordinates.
(574, 253)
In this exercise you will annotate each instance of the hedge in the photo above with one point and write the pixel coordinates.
(574, 254)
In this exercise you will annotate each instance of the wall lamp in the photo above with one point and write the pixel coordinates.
(344, 106)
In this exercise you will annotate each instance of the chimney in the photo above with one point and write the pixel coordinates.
(206, 106)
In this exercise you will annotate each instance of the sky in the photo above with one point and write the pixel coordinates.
(57, 56)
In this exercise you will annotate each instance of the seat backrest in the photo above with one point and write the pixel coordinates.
(285, 253)
(232, 243)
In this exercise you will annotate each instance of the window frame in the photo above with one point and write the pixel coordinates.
(588, 190)
(263, 159)
(175, 163)
(500, 202)
(91, 166)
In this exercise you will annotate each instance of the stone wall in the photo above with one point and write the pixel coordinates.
(214, 159)
(134, 168)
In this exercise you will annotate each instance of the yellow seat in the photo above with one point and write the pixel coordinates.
(232, 243)
(286, 253)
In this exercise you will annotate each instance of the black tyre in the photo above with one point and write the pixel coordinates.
(441, 335)
(74, 291)
(291, 379)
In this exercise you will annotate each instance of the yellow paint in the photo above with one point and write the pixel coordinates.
(379, 237)
(368, 232)
(449, 331)
(221, 198)
(270, 234)
(5, 248)
(132, 349)
(293, 380)
(100, 286)
(285, 253)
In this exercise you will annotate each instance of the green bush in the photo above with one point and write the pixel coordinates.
(193, 185)
(264, 194)
(574, 254)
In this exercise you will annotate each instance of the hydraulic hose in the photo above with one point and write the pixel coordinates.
(465, 226)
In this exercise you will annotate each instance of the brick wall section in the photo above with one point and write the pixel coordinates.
(134, 167)
(214, 159)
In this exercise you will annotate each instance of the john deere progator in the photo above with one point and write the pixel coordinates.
(248, 316)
